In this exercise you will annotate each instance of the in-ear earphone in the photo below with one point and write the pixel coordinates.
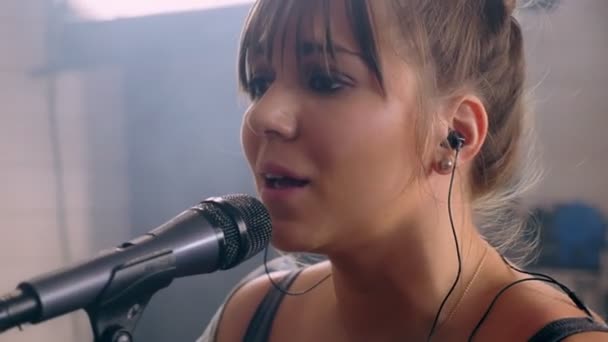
(455, 140)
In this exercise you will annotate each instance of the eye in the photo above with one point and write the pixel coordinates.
(258, 85)
(325, 83)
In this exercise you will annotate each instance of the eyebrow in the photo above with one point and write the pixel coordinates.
(309, 48)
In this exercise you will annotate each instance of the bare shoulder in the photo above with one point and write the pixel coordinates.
(588, 337)
(525, 310)
(240, 308)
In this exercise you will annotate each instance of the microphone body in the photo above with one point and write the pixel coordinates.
(217, 234)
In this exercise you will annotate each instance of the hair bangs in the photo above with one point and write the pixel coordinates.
(268, 18)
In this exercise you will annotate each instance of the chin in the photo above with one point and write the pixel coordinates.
(292, 237)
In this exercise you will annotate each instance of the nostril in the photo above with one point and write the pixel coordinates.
(279, 126)
(274, 117)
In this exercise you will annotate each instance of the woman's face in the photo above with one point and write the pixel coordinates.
(332, 154)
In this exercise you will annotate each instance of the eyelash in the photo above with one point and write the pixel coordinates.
(318, 81)
(326, 83)
(254, 85)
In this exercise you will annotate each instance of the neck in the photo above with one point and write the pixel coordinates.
(394, 287)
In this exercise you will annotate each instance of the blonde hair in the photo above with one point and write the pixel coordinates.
(455, 46)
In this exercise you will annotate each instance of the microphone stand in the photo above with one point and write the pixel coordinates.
(114, 315)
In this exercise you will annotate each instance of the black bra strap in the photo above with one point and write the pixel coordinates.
(260, 325)
(562, 328)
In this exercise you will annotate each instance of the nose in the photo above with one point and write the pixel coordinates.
(275, 115)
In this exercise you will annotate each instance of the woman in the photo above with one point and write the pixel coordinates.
(388, 136)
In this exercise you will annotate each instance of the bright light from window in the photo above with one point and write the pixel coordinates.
(113, 9)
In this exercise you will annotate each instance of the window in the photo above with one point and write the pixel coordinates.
(116, 9)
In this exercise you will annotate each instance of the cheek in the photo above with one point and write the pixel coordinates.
(249, 143)
(380, 167)
(370, 157)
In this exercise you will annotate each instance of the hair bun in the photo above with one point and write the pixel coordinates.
(510, 6)
(497, 12)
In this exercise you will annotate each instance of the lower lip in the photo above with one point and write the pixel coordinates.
(281, 194)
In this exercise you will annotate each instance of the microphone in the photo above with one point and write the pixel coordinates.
(217, 234)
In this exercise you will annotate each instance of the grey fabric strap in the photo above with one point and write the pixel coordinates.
(562, 328)
(260, 325)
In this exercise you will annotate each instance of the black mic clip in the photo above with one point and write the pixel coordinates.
(115, 315)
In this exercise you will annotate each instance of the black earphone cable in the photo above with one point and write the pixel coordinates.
(537, 277)
(458, 273)
(284, 291)
(495, 299)
(456, 141)
(579, 303)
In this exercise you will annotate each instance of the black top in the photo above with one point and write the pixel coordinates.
(562, 328)
(261, 324)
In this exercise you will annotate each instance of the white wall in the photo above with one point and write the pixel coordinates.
(45, 203)
(568, 59)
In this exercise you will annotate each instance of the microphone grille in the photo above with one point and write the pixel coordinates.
(254, 234)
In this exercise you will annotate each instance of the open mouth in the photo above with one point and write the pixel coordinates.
(284, 182)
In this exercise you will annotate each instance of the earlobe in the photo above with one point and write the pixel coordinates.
(445, 166)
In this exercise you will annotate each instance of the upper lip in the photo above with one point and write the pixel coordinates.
(279, 170)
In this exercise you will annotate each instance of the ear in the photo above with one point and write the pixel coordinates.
(470, 119)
